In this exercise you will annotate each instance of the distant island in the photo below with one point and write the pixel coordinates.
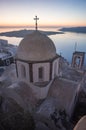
(74, 29)
(23, 33)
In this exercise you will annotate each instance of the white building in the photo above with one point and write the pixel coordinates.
(3, 42)
(37, 62)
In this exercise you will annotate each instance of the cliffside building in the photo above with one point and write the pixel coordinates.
(37, 62)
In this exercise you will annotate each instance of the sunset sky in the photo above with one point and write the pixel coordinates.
(50, 12)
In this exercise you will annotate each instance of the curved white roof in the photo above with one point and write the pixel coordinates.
(36, 47)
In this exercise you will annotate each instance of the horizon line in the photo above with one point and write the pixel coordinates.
(41, 26)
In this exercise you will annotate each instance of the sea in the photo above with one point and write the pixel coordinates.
(65, 43)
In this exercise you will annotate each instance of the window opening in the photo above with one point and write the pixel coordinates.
(41, 73)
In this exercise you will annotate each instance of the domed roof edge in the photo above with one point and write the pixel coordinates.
(36, 46)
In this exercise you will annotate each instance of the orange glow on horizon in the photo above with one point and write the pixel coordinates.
(51, 13)
(41, 23)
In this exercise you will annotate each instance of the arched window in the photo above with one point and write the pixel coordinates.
(23, 71)
(41, 73)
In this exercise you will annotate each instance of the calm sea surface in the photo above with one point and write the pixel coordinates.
(65, 43)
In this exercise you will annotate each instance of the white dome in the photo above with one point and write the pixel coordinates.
(36, 47)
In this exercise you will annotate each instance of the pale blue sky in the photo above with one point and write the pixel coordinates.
(50, 12)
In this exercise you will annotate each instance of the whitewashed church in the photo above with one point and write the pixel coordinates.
(37, 62)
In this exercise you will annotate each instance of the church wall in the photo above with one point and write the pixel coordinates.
(71, 110)
(75, 98)
(71, 107)
(46, 71)
(55, 68)
(40, 92)
(23, 76)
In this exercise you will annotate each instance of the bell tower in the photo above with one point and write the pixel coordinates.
(78, 59)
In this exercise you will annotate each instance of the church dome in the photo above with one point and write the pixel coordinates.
(36, 47)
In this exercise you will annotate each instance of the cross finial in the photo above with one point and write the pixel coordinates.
(36, 22)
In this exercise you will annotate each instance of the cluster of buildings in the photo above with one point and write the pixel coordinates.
(6, 53)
